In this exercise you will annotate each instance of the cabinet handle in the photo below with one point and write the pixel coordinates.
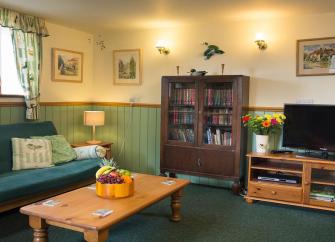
(273, 192)
(199, 162)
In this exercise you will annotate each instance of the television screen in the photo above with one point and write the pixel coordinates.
(309, 126)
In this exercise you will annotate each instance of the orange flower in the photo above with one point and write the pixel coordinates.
(266, 123)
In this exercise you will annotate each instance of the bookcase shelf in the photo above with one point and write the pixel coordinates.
(208, 109)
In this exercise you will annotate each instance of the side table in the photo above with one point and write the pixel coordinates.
(105, 144)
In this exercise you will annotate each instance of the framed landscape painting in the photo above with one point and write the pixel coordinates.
(316, 57)
(67, 65)
(127, 67)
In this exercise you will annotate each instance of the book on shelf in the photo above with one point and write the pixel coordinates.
(184, 135)
(181, 115)
(220, 117)
(182, 96)
(323, 194)
(219, 97)
(218, 138)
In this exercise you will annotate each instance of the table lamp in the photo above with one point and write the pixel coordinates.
(94, 118)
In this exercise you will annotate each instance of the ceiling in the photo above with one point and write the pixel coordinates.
(99, 15)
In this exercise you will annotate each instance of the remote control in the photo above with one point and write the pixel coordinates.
(281, 151)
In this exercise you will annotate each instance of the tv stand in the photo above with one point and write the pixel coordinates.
(312, 175)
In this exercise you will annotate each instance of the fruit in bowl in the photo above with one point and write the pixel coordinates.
(113, 182)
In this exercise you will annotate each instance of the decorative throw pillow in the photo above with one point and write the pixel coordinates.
(61, 149)
(90, 152)
(31, 153)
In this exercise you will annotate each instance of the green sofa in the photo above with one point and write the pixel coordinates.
(22, 187)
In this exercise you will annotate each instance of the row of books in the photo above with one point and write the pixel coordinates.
(219, 119)
(218, 137)
(184, 135)
(326, 194)
(181, 115)
(218, 97)
(182, 96)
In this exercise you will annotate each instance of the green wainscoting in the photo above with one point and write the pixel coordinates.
(67, 119)
(134, 130)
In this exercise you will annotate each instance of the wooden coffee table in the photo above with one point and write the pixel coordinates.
(74, 209)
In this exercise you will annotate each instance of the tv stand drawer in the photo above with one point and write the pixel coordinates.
(276, 192)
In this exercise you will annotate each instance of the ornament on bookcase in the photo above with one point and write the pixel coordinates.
(194, 72)
(222, 68)
(177, 67)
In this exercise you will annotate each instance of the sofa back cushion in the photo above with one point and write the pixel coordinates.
(22, 130)
(31, 153)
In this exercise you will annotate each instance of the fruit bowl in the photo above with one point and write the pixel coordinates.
(115, 190)
(112, 182)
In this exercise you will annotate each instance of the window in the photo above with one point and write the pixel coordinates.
(10, 84)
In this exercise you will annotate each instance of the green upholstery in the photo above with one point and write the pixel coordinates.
(22, 130)
(16, 184)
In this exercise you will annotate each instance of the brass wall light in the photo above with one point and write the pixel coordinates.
(161, 46)
(262, 45)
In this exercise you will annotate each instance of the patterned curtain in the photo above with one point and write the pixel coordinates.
(27, 32)
(28, 53)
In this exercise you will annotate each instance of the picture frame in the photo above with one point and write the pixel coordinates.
(127, 67)
(67, 65)
(315, 57)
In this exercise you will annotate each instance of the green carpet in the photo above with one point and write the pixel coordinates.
(209, 214)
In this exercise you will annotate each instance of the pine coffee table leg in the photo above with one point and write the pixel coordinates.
(96, 236)
(176, 205)
(40, 229)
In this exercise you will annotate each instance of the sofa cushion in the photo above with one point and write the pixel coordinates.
(22, 130)
(18, 184)
(61, 149)
(31, 153)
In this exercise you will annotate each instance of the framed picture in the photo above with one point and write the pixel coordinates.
(67, 66)
(316, 57)
(127, 67)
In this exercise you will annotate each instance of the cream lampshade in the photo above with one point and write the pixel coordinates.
(94, 118)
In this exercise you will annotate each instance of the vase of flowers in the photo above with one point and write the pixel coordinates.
(263, 126)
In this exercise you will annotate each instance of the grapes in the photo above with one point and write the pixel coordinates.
(109, 179)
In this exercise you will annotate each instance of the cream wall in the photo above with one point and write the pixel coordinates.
(71, 39)
(273, 79)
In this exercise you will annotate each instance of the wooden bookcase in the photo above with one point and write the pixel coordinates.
(312, 175)
(201, 131)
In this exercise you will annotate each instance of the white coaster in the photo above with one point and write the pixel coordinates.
(50, 203)
(169, 182)
(102, 212)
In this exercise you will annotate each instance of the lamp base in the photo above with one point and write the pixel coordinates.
(93, 142)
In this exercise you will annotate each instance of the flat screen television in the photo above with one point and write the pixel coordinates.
(309, 126)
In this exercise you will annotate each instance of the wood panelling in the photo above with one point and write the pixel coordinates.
(134, 130)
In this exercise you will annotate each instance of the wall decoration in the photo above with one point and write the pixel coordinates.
(127, 67)
(212, 50)
(67, 65)
(316, 57)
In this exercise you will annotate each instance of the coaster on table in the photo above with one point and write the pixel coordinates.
(102, 212)
(50, 203)
(169, 182)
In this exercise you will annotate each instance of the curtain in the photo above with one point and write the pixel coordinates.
(28, 53)
(27, 32)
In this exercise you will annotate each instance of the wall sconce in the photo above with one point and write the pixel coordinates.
(161, 46)
(262, 45)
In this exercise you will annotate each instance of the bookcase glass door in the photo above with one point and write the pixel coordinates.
(217, 114)
(182, 110)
